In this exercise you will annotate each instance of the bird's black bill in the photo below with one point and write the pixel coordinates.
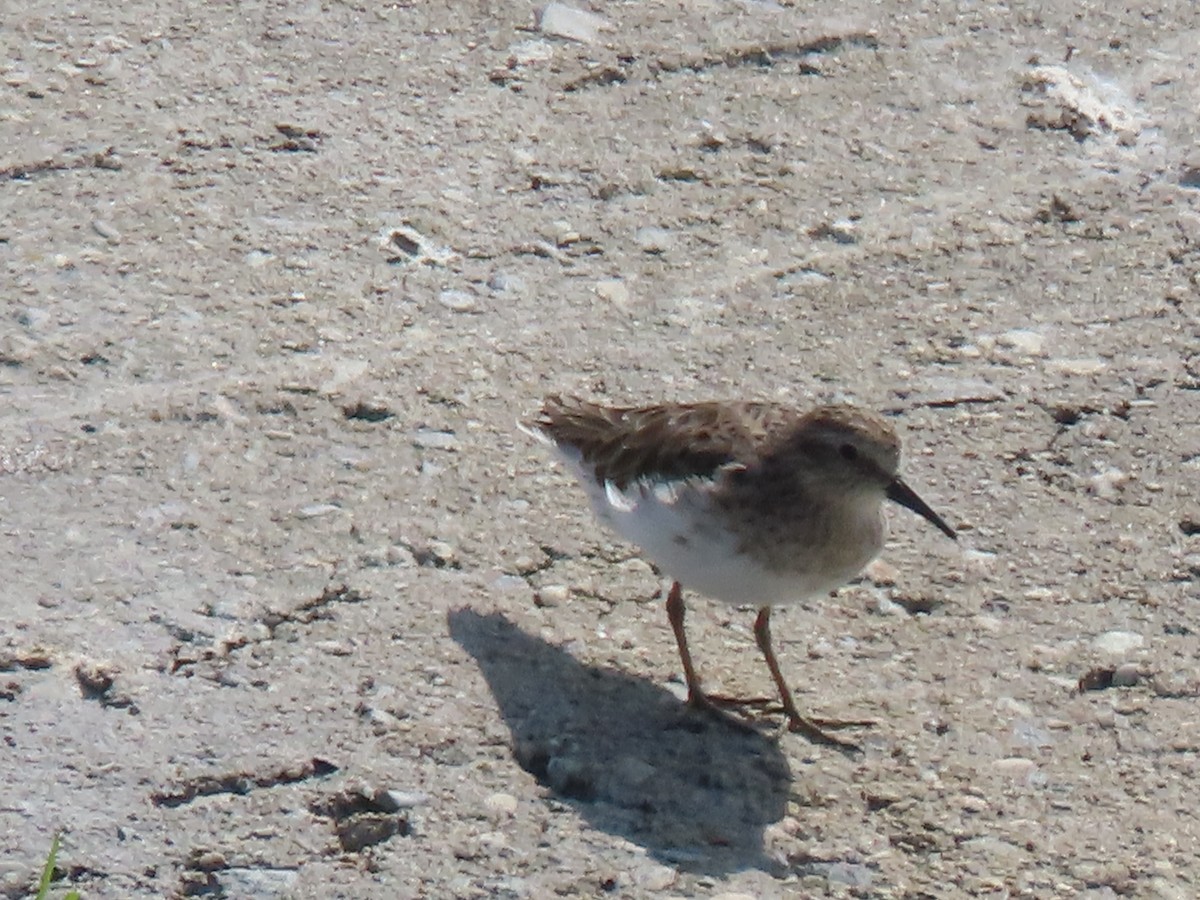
(907, 497)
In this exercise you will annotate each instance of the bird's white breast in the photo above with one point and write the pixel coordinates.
(679, 528)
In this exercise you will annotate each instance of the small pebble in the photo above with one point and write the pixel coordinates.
(881, 573)
(403, 244)
(560, 20)
(614, 291)
(381, 720)
(654, 876)
(205, 860)
(373, 559)
(400, 556)
(636, 566)
(317, 510)
(17, 349)
(843, 231)
(1108, 484)
(95, 678)
(428, 439)
(973, 804)
(1109, 872)
(552, 595)
(106, 231)
(526, 53)
(359, 832)
(879, 604)
(561, 234)
(1118, 643)
(652, 239)
(1076, 366)
(1126, 675)
(503, 283)
(439, 553)
(1028, 343)
(501, 804)
(458, 301)
(804, 277)
(525, 565)
(979, 562)
(398, 800)
(256, 882)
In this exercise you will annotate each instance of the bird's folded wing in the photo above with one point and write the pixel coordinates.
(654, 443)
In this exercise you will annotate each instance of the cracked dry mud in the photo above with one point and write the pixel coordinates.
(292, 609)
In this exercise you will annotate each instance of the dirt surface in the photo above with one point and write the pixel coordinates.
(292, 609)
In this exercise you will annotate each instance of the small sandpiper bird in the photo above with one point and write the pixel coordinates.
(749, 503)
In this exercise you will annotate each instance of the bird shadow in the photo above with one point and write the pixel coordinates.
(633, 760)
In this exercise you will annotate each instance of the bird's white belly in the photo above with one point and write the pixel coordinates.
(677, 528)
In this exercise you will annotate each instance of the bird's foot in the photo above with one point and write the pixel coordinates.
(717, 708)
(766, 704)
(815, 731)
(837, 724)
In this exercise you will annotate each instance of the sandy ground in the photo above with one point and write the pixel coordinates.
(292, 609)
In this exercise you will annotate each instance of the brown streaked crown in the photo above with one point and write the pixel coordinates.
(863, 441)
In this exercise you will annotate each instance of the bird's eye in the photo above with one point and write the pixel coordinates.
(849, 452)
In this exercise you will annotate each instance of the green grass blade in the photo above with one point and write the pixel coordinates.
(48, 870)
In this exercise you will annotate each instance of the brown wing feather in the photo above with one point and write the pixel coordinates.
(671, 441)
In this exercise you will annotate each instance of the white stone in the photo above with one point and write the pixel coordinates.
(429, 439)
(552, 595)
(406, 799)
(457, 301)
(1076, 366)
(844, 231)
(652, 239)
(1108, 484)
(443, 553)
(560, 20)
(1118, 642)
(614, 291)
(317, 510)
(654, 876)
(523, 54)
(501, 804)
(1029, 343)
